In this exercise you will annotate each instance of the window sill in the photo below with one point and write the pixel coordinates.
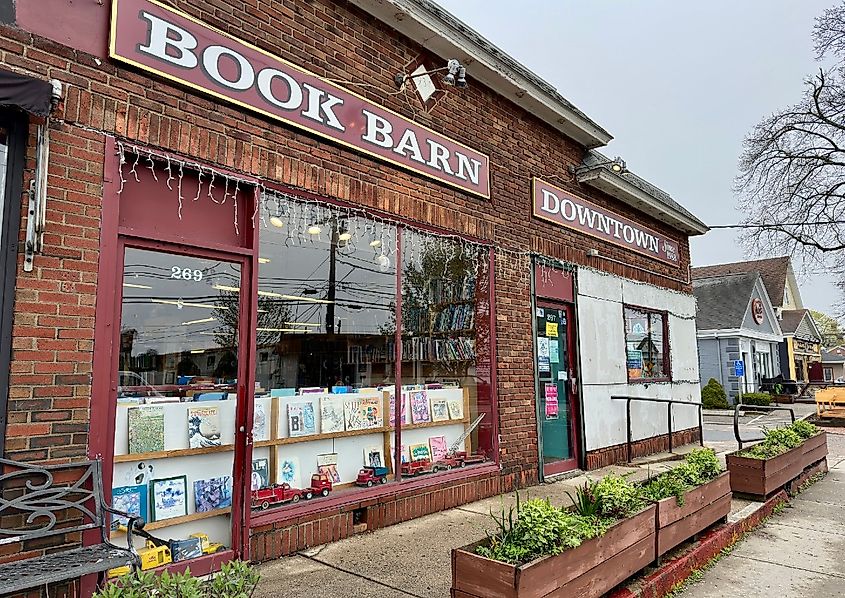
(366, 497)
(649, 380)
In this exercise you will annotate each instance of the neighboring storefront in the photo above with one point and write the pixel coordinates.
(801, 347)
(833, 365)
(263, 276)
(736, 321)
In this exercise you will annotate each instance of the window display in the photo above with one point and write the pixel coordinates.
(647, 344)
(175, 414)
(326, 351)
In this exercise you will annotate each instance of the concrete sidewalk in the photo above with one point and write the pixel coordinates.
(798, 553)
(411, 558)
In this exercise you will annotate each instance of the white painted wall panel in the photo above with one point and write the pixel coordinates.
(602, 352)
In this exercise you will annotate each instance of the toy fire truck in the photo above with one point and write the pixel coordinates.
(276, 494)
(458, 458)
(420, 466)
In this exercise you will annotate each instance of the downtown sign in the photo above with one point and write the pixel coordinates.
(162, 40)
(567, 210)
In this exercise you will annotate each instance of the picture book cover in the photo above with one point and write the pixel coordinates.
(146, 429)
(404, 409)
(183, 550)
(259, 423)
(203, 427)
(439, 448)
(129, 499)
(331, 415)
(289, 472)
(213, 493)
(327, 464)
(374, 456)
(169, 497)
(363, 413)
(419, 451)
(260, 474)
(420, 409)
(456, 408)
(301, 419)
(439, 410)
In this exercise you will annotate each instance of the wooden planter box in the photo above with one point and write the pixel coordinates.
(591, 570)
(703, 506)
(761, 477)
(783, 399)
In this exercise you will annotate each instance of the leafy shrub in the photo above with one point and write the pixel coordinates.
(713, 395)
(236, 580)
(780, 440)
(618, 497)
(805, 429)
(757, 398)
(699, 467)
(536, 528)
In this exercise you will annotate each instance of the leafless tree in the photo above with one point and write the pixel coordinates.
(792, 169)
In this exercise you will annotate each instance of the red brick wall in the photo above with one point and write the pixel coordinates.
(618, 453)
(55, 304)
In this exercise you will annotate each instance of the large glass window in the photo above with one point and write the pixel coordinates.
(646, 344)
(326, 354)
(176, 399)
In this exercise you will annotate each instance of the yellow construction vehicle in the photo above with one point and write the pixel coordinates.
(208, 547)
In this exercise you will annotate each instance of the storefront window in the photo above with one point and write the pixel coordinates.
(446, 399)
(646, 344)
(176, 399)
(326, 322)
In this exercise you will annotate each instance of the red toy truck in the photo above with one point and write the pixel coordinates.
(275, 495)
(320, 484)
(368, 476)
(417, 467)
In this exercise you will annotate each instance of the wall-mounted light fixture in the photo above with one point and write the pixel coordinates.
(456, 75)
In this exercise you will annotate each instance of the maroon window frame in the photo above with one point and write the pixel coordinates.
(665, 351)
(114, 238)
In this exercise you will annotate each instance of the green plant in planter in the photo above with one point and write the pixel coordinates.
(784, 436)
(698, 467)
(619, 498)
(804, 429)
(585, 502)
(235, 580)
(665, 485)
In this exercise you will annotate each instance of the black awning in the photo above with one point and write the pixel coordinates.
(32, 95)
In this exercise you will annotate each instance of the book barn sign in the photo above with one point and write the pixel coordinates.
(564, 209)
(172, 44)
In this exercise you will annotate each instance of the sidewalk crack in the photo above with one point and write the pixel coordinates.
(822, 573)
(359, 576)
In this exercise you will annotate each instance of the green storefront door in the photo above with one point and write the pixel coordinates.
(554, 368)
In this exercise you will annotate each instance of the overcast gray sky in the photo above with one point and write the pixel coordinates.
(677, 83)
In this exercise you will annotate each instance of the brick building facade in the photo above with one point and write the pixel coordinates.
(62, 374)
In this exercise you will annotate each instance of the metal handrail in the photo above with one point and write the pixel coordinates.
(739, 406)
(669, 403)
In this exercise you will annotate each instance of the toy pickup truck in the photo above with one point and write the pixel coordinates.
(275, 495)
(368, 476)
(417, 467)
(320, 484)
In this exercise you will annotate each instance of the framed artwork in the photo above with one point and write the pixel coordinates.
(129, 499)
(203, 427)
(260, 477)
(183, 550)
(439, 410)
(170, 377)
(146, 429)
(169, 497)
(213, 493)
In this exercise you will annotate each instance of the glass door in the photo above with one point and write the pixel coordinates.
(176, 412)
(555, 383)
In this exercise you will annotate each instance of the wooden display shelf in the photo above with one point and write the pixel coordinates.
(445, 422)
(131, 457)
(152, 525)
(310, 437)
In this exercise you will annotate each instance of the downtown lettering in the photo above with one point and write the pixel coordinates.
(563, 208)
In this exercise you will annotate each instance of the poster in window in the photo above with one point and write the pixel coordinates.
(170, 498)
(551, 401)
(551, 329)
(543, 359)
(554, 352)
(203, 427)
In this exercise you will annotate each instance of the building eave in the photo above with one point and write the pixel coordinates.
(604, 179)
(443, 34)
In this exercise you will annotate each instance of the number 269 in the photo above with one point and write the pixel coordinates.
(185, 274)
